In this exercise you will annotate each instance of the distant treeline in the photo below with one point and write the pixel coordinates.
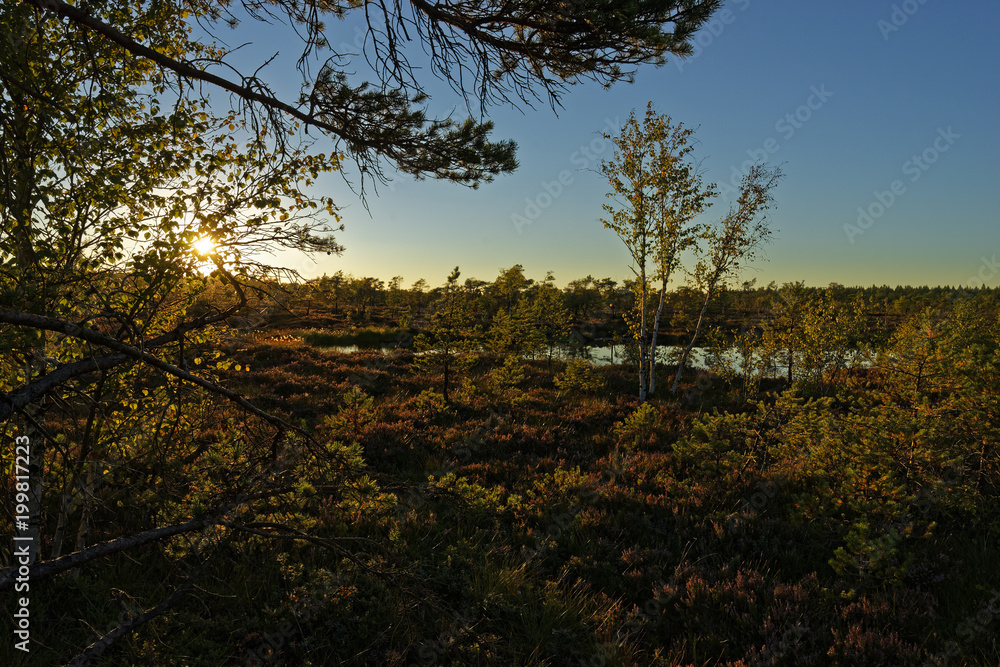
(594, 303)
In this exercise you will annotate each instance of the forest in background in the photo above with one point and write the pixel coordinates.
(364, 300)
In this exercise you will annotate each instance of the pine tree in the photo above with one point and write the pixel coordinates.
(451, 336)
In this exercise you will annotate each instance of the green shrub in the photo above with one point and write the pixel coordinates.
(638, 428)
(356, 413)
(430, 403)
(504, 382)
(580, 377)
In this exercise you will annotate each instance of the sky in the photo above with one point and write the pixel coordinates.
(882, 113)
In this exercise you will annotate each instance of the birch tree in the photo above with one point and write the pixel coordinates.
(680, 197)
(656, 193)
(732, 243)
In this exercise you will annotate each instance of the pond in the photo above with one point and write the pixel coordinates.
(600, 355)
(605, 355)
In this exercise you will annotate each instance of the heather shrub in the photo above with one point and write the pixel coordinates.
(547, 518)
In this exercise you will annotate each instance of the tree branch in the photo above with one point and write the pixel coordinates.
(70, 561)
(97, 648)
(18, 399)
(352, 114)
(184, 69)
(97, 338)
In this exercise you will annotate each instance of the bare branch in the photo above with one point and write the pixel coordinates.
(18, 399)
(70, 561)
(97, 648)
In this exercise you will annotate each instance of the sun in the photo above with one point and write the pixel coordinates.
(204, 246)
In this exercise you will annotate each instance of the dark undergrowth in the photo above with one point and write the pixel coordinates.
(526, 524)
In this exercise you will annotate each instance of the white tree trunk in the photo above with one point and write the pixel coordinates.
(694, 340)
(656, 330)
(643, 350)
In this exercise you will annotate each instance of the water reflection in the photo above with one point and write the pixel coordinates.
(606, 355)
(600, 355)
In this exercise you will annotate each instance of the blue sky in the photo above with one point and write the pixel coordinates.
(884, 106)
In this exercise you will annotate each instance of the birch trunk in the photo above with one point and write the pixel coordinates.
(643, 361)
(656, 330)
(694, 340)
